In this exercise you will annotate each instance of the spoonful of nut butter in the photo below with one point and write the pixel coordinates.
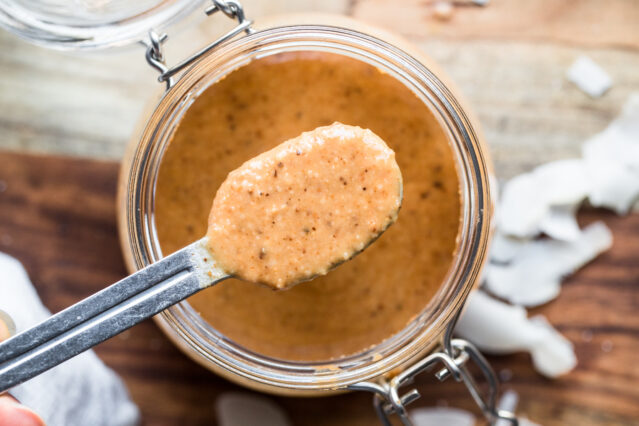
(282, 218)
(305, 206)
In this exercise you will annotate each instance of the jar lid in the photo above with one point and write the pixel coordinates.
(90, 24)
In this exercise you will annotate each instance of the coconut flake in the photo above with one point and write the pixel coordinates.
(613, 185)
(619, 142)
(240, 409)
(561, 223)
(503, 248)
(589, 76)
(528, 199)
(608, 174)
(552, 360)
(524, 284)
(533, 277)
(508, 402)
(499, 328)
(628, 121)
(442, 416)
(612, 161)
(522, 206)
(432, 416)
(563, 182)
(528, 271)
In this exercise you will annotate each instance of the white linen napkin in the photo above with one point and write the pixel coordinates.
(82, 391)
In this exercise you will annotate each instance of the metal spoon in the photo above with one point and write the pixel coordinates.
(124, 304)
(106, 313)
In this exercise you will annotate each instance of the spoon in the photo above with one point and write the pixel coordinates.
(283, 217)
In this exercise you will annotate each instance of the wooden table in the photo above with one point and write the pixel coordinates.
(509, 59)
(57, 214)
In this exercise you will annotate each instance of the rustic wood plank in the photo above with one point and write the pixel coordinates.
(530, 113)
(591, 23)
(508, 58)
(57, 216)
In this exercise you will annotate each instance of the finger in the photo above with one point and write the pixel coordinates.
(14, 414)
(4, 331)
(11, 412)
(7, 326)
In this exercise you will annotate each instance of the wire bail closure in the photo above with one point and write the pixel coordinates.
(454, 355)
(155, 57)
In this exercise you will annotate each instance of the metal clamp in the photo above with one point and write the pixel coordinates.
(454, 356)
(155, 57)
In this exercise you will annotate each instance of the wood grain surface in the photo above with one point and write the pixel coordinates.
(508, 58)
(57, 216)
(593, 23)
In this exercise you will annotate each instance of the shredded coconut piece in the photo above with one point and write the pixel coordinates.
(429, 416)
(442, 416)
(522, 207)
(619, 142)
(504, 248)
(508, 402)
(546, 200)
(612, 161)
(562, 182)
(528, 199)
(589, 76)
(499, 328)
(613, 186)
(561, 223)
(533, 277)
(528, 271)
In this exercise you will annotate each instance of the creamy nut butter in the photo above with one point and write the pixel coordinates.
(305, 206)
(365, 300)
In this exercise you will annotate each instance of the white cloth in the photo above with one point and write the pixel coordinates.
(81, 391)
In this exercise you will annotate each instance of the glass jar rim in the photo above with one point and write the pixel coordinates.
(199, 339)
(91, 25)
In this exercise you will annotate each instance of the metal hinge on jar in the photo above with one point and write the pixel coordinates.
(155, 56)
(454, 355)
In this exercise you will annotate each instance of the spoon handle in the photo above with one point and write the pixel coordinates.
(107, 313)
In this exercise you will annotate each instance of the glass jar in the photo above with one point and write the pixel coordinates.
(383, 369)
(90, 24)
(424, 335)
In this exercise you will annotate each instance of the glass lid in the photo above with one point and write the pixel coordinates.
(90, 24)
